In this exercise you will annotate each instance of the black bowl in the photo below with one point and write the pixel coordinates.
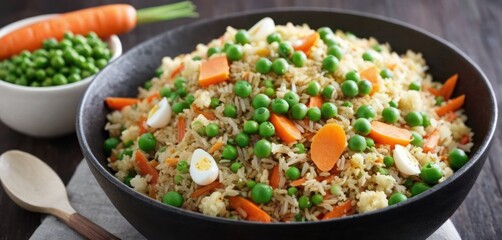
(417, 217)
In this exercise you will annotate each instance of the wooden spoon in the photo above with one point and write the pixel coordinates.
(34, 186)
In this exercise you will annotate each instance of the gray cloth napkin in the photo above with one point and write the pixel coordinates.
(89, 200)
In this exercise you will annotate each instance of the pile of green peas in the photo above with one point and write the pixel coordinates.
(70, 60)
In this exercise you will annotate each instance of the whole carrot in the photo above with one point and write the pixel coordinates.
(104, 21)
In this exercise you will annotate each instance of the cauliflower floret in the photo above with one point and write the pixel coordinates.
(202, 99)
(130, 134)
(384, 183)
(411, 101)
(140, 184)
(213, 205)
(371, 200)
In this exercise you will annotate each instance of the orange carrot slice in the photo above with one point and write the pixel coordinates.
(464, 139)
(315, 101)
(207, 114)
(249, 210)
(285, 128)
(305, 44)
(327, 146)
(217, 146)
(298, 182)
(431, 141)
(176, 71)
(388, 134)
(371, 74)
(206, 189)
(171, 161)
(275, 177)
(181, 128)
(214, 71)
(448, 87)
(155, 95)
(145, 168)
(339, 211)
(451, 106)
(117, 103)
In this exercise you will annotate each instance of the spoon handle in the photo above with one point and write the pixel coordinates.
(88, 229)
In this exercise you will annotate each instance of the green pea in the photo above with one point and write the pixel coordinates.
(235, 166)
(419, 187)
(125, 152)
(330, 64)
(347, 104)
(285, 49)
(365, 87)
(386, 73)
(40, 74)
(147, 142)
(291, 98)
(262, 148)
(182, 166)
(22, 81)
(280, 66)
(377, 47)
(101, 52)
(261, 193)
(180, 106)
(390, 114)
(357, 143)
(388, 161)
(57, 62)
(173, 198)
(335, 51)
(324, 32)
(439, 100)
(235, 52)
(292, 191)
(230, 111)
(50, 43)
(366, 111)
(273, 37)
(367, 57)
(362, 126)
(212, 130)
(370, 142)
(242, 139)
(414, 119)
(316, 199)
(79, 40)
(242, 37)
(299, 111)
(178, 179)
(41, 62)
(293, 173)
(215, 102)
(270, 92)
(68, 35)
(242, 89)
(416, 86)
(431, 173)
(226, 46)
(197, 58)
(329, 110)
(263, 65)
(101, 63)
(457, 158)
(47, 82)
(328, 91)
(330, 41)
(59, 79)
(335, 190)
(250, 127)
(110, 144)
(397, 197)
(92, 35)
(280, 106)
(158, 72)
(30, 73)
(229, 152)
(350, 89)
(313, 89)
(314, 114)
(128, 143)
(393, 104)
(84, 50)
(300, 148)
(353, 76)
(261, 100)
(250, 184)
(417, 139)
(189, 99)
(304, 202)
(426, 120)
(299, 58)
(266, 129)
(268, 83)
(261, 114)
(74, 77)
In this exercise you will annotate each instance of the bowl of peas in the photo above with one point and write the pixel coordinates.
(40, 90)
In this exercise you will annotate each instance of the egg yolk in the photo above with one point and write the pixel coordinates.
(153, 111)
(203, 165)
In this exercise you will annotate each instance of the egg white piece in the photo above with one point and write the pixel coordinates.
(405, 162)
(160, 115)
(203, 168)
(262, 29)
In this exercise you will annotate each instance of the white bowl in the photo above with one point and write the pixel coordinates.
(44, 111)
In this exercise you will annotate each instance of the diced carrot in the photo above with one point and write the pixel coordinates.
(391, 66)
(113, 158)
(339, 211)
(431, 141)
(388, 134)
(209, 115)
(285, 128)
(451, 106)
(142, 126)
(176, 71)
(249, 210)
(217, 146)
(305, 44)
(308, 135)
(275, 177)
(328, 179)
(171, 162)
(181, 128)
(448, 87)
(464, 140)
(434, 91)
(155, 95)
(117, 103)
(371, 74)
(152, 193)
(206, 189)
(298, 182)
(145, 168)
(154, 163)
(214, 71)
(315, 101)
(450, 116)
(327, 146)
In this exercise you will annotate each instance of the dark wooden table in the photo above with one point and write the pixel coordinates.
(472, 25)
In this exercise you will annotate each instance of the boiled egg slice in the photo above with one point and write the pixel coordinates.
(160, 115)
(262, 29)
(203, 168)
(405, 162)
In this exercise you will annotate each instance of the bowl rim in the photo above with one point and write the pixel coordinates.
(113, 42)
(475, 157)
